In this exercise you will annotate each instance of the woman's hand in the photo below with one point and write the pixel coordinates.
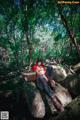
(40, 71)
(53, 82)
(45, 78)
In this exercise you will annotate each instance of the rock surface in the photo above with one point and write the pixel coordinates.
(72, 83)
(72, 111)
(34, 100)
(59, 73)
(37, 103)
(62, 94)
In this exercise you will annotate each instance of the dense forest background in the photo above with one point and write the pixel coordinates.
(38, 29)
(31, 29)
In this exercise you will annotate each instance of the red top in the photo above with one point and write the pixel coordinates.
(36, 66)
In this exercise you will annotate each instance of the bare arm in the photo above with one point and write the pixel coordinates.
(40, 71)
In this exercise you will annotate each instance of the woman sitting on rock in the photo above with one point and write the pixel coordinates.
(42, 84)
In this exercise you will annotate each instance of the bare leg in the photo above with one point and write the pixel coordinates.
(57, 103)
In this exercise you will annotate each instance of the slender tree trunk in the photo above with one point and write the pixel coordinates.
(69, 31)
(70, 48)
(30, 48)
(26, 31)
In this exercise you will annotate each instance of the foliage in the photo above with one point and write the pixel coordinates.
(46, 31)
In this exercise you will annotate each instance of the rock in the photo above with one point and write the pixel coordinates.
(59, 73)
(36, 103)
(72, 111)
(62, 94)
(72, 83)
(38, 108)
(34, 100)
(76, 68)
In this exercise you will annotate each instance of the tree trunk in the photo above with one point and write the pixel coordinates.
(30, 49)
(25, 25)
(69, 31)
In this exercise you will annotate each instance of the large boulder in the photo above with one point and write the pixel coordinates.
(34, 100)
(76, 68)
(58, 73)
(72, 111)
(72, 83)
(62, 94)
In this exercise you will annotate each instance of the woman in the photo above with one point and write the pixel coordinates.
(42, 84)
